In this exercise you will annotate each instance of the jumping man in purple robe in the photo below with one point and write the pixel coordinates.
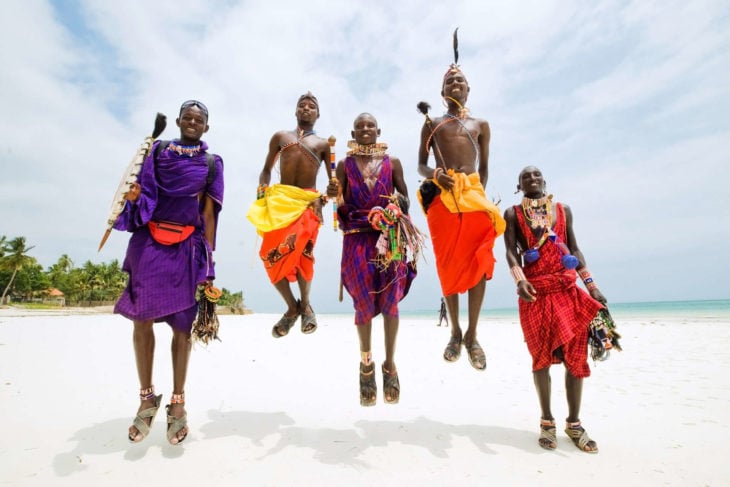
(172, 213)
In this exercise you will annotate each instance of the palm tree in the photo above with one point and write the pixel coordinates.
(17, 257)
(3, 243)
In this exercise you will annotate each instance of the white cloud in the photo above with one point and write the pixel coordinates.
(623, 104)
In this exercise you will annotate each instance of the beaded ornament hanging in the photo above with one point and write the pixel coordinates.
(399, 238)
(206, 324)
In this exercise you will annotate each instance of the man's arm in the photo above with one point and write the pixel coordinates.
(209, 218)
(525, 290)
(265, 176)
(582, 268)
(423, 151)
(485, 136)
(399, 183)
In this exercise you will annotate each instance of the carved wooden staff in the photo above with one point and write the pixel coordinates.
(333, 176)
(130, 176)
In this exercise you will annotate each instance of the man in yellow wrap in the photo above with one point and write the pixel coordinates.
(288, 215)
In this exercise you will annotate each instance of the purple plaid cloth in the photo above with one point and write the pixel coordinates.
(163, 278)
(373, 290)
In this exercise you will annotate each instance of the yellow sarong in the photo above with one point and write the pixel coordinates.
(281, 205)
(468, 195)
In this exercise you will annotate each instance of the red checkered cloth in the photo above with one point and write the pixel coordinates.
(562, 312)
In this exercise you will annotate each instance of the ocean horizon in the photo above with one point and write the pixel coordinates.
(704, 309)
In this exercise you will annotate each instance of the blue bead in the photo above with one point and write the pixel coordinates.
(569, 261)
(531, 256)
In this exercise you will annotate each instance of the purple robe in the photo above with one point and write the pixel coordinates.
(373, 290)
(163, 278)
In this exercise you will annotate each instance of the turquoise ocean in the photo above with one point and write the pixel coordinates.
(701, 310)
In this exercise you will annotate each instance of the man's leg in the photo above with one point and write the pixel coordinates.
(477, 358)
(309, 320)
(368, 388)
(291, 303)
(281, 328)
(391, 333)
(453, 348)
(574, 393)
(143, 338)
(391, 384)
(543, 385)
(180, 348)
(476, 298)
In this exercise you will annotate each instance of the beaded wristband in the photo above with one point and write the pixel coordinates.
(261, 191)
(517, 274)
(585, 276)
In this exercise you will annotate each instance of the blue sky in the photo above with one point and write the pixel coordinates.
(623, 105)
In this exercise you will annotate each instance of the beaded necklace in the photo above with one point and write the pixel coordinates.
(188, 150)
(301, 133)
(377, 149)
(538, 211)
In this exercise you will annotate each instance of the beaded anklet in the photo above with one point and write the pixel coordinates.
(178, 398)
(148, 393)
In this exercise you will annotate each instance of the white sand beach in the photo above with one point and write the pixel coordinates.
(286, 412)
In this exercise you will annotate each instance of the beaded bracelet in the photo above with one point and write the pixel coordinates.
(585, 276)
(436, 173)
(261, 191)
(517, 274)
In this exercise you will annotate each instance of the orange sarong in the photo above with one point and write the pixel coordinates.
(289, 250)
(463, 241)
(289, 226)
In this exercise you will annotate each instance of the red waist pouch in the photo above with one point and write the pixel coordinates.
(168, 233)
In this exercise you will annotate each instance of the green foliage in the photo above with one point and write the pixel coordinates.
(22, 277)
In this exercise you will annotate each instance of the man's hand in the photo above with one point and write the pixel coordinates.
(526, 291)
(597, 295)
(333, 188)
(134, 191)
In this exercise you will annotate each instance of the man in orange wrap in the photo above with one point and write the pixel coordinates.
(288, 214)
(462, 222)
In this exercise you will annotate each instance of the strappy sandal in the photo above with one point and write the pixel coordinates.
(453, 349)
(391, 386)
(174, 425)
(368, 387)
(580, 437)
(309, 320)
(143, 429)
(282, 327)
(548, 434)
(476, 355)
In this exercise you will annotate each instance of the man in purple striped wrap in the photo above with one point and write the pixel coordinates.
(365, 179)
(175, 190)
